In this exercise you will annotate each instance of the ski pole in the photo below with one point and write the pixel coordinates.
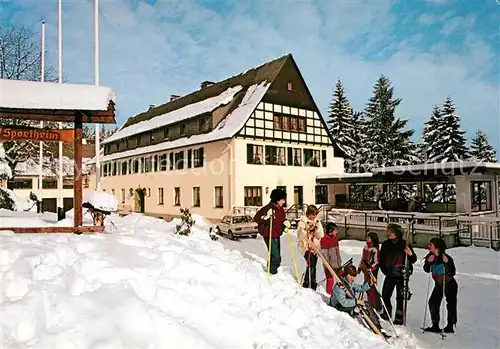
(444, 294)
(383, 305)
(270, 247)
(292, 251)
(426, 298)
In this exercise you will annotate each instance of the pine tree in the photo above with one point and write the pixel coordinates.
(430, 135)
(448, 142)
(385, 141)
(340, 121)
(481, 149)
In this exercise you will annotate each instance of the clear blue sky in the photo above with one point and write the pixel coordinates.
(152, 49)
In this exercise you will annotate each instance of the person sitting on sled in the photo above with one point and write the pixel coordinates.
(341, 298)
(443, 272)
(330, 249)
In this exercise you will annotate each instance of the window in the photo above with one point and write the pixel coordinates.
(190, 158)
(323, 158)
(171, 158)
(122, 196)
(198, 157)
(163, 162)
(113, 191)
(149, 192)
(481, 196)
(311, 157)
(183, 129)
(160, 196)
(147, 164)
(289, 123)
(289, 86)
(253, 196)
(124, 167)
(166, 133)
(218, 197)
(254, 154)
(145, 138)
(275, 155)
(114, 168)
(321, 194)
(196, 196)
(179, 160)
(294, 157)
(201, 124)
(177, 196)
(142, 165)
(155, 163)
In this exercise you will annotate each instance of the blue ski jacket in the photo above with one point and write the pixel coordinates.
(340, 297)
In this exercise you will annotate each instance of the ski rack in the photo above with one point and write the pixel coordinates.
(339, 280)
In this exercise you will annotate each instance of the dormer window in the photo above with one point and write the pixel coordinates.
(290, 86)
(165, 133)
(183, 129)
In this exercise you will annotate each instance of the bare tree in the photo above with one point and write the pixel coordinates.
(20, 59)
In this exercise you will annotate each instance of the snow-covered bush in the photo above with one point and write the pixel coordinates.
(6, 201)
(187, 221)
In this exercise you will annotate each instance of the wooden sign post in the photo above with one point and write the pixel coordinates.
(11, 134)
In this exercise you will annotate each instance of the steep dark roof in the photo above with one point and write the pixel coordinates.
(267, 71)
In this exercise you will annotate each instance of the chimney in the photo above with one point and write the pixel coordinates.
(206, 84)
(173, 97)
(151, 106)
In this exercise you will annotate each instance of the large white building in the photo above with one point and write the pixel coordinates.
(225, 145)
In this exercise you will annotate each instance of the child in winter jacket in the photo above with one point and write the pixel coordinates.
(343, 293)
(442, 267)
(330, 249)
(274, 210)
(309, 231)
(370, 263)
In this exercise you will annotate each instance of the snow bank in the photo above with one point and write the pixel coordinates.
(17, 94)
(144, 287)
(101, 200)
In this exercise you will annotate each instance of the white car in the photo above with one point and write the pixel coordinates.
(236, 226)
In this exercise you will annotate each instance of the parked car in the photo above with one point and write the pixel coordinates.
(236, 226)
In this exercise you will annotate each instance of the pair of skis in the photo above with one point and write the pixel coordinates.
(339, 280)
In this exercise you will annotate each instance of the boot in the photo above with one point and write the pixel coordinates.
(449, 329)
(434, 328)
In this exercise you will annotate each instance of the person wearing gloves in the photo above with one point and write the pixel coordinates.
(273, 210)
(309, 231)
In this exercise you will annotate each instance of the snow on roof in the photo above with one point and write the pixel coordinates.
(345, 175)
(226, 129)
(17, 94)
(188, 111)
(447, 165)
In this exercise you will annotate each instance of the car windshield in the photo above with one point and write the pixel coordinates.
(241, 219)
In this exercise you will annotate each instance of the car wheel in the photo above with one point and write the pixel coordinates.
(231, 235)
(254, 236)
(217, 231)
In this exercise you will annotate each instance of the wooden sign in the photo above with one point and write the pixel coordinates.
(34, 134)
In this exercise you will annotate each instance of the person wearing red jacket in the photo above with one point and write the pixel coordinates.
(274, 210)
(370, 262)
(330, 249)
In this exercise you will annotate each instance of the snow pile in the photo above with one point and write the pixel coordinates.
(101, 200)
(145, 287)
(20, 204)
(17, 94)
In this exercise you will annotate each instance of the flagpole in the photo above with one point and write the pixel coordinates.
(96, 82)
(60, 180)
(42, 79)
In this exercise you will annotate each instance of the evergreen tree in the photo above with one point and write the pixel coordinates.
(340, 121)
(385, 142)
(430, 135)
(481, 149)
(448, 141)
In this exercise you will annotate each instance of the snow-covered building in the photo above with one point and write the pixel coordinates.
(225, 145)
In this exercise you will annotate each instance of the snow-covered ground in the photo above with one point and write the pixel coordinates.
(478, 276)
(141, 286)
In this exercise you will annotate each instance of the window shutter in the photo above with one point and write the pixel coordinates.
(202, 157)
(323, 157)
(171, 161)
(190, 158)
(290, 156)
(249, 154)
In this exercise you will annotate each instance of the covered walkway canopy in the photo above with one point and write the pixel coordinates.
(56, 102)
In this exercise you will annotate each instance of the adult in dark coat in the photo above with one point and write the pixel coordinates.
(393, 254)
(275, 210)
